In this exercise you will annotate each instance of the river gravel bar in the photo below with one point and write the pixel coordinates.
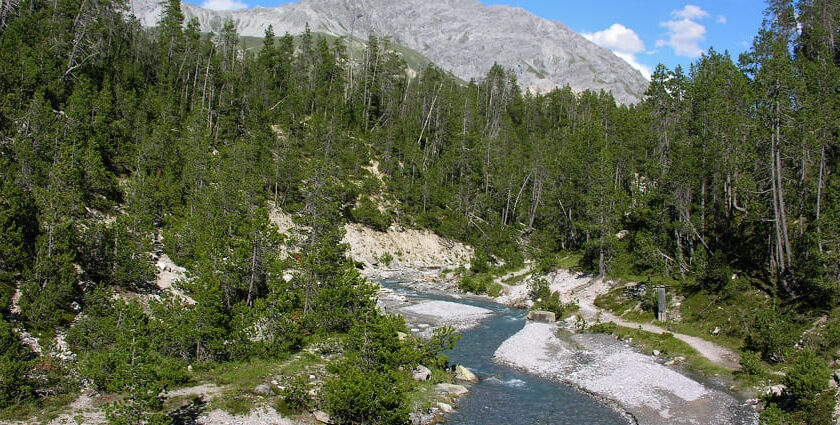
(445, 313)
(603, 366)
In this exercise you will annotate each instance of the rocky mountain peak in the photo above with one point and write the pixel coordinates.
(465, 37)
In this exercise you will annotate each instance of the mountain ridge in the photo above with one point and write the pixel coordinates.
(465, 37)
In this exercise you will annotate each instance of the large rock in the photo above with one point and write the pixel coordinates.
(321, 416)
(451, 389)
(264, 389)
(464, 374)
(422, 373)
(542, 316)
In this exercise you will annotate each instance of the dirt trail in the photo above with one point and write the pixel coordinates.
(585, 297)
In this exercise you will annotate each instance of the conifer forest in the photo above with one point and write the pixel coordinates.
(120, 144)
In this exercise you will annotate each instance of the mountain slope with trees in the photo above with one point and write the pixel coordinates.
(725, 179)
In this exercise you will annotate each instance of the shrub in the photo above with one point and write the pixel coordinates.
(385, 259)
(603, 328)
(772, 335)
(296, 396)
(15, 386)
(540, 293)
(357, 396)
(478, 284)
(750, 363)
(368, 214)
(807, 378)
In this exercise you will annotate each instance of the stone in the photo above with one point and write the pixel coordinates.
(444, 407)
(402, 336)
(321, 416)
(542, 316)
(716, 331)
(421, 373)
(656, 353)
(774, 390)
(464, 374)
(451, 389)
(263, 389)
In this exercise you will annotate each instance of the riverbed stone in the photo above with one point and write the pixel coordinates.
(422, 373)
(321, 416)
(542, 316)
(264, 389)
(464, 374)
(445, 407)
(451, 389)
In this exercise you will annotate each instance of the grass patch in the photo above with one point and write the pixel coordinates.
(570, 260)
(669, 346)
(241, 378)
(516, 280)
(615, 301)
(43, 410)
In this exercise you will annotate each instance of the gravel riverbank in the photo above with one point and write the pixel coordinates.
(605, 367)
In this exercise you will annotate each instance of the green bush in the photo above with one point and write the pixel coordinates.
(296, 396)
(750, 363)
(772, 335)
(357, 396)
(540, 293)
(808, 377)
(602, 328)
(477, 284)
(15, 385)
(385, 259)
(368, 214)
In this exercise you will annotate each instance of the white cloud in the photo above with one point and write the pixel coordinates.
(684, 32)
(722, 20)
(624, 42)
(223, 5)
(690, 12)
(617, 37)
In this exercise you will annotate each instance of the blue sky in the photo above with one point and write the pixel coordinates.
(643, 32)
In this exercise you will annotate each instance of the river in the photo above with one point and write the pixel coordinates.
(507, 396)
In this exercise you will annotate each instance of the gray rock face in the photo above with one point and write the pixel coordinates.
(422, 373)
(461, 36)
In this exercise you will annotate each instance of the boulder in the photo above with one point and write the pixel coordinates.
(451, 389)
(464, 374)
(263, 389)
(421, 373)
(444, 407)
(321, 416)
(542, 316)
(774, 391)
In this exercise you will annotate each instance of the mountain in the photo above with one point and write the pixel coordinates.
(461, 36)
